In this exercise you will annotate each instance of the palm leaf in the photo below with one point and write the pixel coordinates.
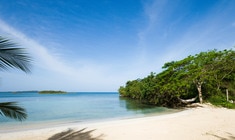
(12, 110)
(13, 57)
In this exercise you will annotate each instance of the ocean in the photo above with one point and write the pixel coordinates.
(75, 107)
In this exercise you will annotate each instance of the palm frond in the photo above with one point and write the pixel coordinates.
(13, 57)
(12, 110)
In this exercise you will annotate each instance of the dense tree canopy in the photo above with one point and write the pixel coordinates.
(203, 75)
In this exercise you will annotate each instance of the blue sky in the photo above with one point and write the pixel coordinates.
(98, 45)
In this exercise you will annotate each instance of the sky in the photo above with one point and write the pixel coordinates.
(98, 45)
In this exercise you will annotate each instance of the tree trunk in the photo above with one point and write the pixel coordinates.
(199, 89)
(227, 94)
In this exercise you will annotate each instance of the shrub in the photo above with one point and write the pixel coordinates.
(220, 100)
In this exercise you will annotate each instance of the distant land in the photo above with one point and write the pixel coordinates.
(24, 91)
(51, 92)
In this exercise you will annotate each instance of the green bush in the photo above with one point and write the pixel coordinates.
(220, 100)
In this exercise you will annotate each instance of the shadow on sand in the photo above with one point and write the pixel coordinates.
(75, 135)
(229, 136)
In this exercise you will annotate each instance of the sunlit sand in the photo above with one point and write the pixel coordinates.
(202, 122)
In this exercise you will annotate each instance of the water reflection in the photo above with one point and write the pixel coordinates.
(140, 108)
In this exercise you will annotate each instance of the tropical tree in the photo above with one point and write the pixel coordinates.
(203, 75)
(13, 57)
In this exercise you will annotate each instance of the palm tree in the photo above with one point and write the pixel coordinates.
(13, 57)
(12, 110)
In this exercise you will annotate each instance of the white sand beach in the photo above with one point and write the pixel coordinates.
(204, 123)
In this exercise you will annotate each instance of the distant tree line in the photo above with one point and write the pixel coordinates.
(205, 76)
(52, 92)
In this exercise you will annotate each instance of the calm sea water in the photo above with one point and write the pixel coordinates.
(75, 107)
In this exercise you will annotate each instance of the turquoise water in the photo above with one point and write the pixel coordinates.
(75, 107)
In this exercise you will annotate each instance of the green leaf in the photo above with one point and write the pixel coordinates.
(13, 57)
(12, 110)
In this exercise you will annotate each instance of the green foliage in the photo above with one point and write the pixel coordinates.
(12, 110)
(13, 57)
(206, 74)
(220, 100)
(52, 92)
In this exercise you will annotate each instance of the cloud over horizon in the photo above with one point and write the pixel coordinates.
(100, 49)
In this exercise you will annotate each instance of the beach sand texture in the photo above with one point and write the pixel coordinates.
(199, 123)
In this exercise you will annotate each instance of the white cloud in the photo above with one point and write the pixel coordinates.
(51, 71)
(153, 13)
(42, 57)
(49, 66)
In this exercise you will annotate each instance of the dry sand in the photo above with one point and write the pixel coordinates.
(199, 123)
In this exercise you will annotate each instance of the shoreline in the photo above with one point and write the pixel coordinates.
(204, 122)
(18, 127)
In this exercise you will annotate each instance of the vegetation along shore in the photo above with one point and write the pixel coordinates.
(52, 92)
(205, 77)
